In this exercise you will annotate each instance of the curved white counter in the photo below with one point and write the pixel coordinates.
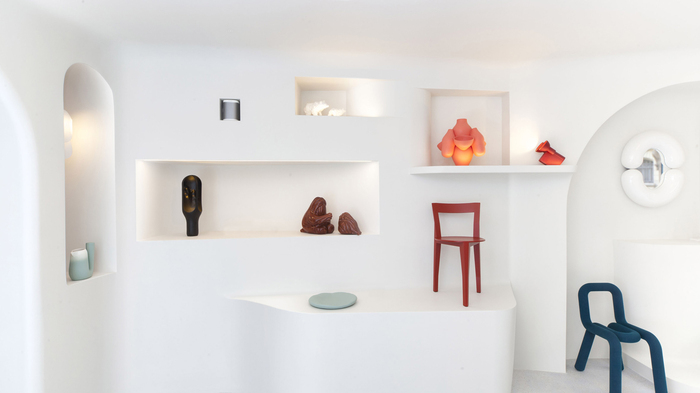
(659, 283)
(390, 341)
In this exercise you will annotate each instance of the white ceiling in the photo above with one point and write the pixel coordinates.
(507, 31)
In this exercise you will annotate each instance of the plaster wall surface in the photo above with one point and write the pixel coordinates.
(77, 328)
(19, 286)
(600, 212)
(168, 329)
(174, 290)
(188, 304)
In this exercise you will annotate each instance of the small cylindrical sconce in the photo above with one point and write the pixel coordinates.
(230, 109)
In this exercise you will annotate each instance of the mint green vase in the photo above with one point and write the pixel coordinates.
(82, 262)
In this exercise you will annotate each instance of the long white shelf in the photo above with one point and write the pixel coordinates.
(433, 170)
(493, 297)
(243, 235)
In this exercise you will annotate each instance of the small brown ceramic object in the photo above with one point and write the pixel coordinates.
(347, 225)
(316, 220)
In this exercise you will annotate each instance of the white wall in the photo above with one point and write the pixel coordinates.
(172, 321)
(567, 101)
(20, 332)
(77, 325)
(600, 211)
(174, 289)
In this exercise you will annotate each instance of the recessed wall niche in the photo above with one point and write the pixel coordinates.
(89, 171)
(246, 199)
(358, 97)
(486, 110)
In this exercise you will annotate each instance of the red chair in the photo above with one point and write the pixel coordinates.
(463, 242)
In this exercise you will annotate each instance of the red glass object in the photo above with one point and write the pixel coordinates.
(550, 156)
(463, 242)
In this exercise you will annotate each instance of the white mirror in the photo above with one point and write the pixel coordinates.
(652, 168)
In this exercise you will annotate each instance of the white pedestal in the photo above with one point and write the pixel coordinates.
(658, 279)
(390, 341)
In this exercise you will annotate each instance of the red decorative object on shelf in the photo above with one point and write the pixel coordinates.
(316, 220)
(550, 156)
(462, 142)
(463, 242)
(347, 225)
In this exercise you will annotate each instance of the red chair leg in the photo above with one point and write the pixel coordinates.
(477, 266)
(436, 266)
(464, 254)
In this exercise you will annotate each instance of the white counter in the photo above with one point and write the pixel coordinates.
(411, 340)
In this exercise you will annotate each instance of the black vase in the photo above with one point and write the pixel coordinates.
(192, 203)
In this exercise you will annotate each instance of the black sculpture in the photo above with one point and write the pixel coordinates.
(192, 203)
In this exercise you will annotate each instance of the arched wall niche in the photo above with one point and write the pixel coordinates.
(90, 169)
(20, 288)
(599, 212)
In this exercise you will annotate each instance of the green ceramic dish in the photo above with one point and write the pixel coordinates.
(333, 301)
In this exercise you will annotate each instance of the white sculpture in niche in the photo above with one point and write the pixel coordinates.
(336, 112)
(651, 159)
(315, 108)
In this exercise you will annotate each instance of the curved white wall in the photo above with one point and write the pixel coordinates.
(20, 331)
(599, 212)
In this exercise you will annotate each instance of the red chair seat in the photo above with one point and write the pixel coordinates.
(459, 239)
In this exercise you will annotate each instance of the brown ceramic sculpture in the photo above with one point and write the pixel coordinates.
(316, 220)
(347, 225)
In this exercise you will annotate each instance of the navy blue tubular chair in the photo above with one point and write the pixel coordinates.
(616, 333)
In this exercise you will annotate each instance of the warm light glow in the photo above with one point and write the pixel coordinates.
(67, 127)
(525, 140)
(67, 135)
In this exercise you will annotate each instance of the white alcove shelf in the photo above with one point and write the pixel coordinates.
(249, 199)
(90, 179)
(358, 97)
(486, 110)
(435, 170)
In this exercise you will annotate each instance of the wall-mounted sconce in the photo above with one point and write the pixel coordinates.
(230, 109)
(67, 135)
(650, 179)
(549, 156)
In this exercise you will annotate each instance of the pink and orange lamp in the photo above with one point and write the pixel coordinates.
(462, 143)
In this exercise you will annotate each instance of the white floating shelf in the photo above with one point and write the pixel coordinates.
(95, 275)
(433, 170)
(245, 235)
(494, 297)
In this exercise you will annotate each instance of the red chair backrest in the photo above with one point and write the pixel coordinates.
(456, 208)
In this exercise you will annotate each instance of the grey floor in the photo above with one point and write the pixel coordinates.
(593, 380)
